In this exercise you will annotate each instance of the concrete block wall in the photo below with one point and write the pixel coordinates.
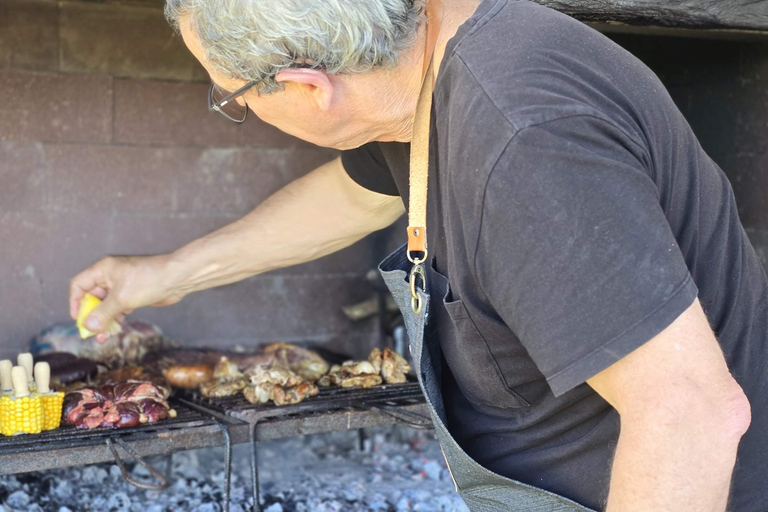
(107, 147)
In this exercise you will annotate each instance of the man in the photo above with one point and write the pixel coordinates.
(606, 316)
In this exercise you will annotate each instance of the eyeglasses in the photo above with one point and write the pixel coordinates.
(224, 102)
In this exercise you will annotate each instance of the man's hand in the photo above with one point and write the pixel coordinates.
(682, 416)
(315, 215)
(124, 283)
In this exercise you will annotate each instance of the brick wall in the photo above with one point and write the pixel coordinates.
(107, 147)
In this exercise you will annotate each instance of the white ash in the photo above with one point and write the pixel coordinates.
(397, 470)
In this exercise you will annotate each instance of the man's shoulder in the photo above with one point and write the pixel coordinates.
(534, 64)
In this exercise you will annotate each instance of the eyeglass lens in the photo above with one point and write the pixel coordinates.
(232, 109)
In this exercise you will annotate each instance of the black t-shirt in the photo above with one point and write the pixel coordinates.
(576, 216)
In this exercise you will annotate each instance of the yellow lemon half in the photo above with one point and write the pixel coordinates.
(88, 304)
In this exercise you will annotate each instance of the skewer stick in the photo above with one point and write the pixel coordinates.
(25, 360)
(43, 377)
(6, 383)
(20, 380)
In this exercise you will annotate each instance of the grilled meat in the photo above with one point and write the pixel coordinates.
(352, 374)
(188, 376)
(225, 386)
(386, 365)
(394, 367)
(277, 383)
(227, 380)
(266, 391)
(123, 349)
(306, 363)
(127, 404)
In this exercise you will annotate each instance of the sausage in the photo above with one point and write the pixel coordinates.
(77, 370)
(56, 360)
(188, 376)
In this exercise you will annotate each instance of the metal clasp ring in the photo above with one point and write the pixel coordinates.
(416, 302)
(417, 261)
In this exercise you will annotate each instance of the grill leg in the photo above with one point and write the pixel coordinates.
(169, 465)
(255, 469)
(227, 465)
(361, 437)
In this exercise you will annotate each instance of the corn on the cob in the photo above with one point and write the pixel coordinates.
(52, 401)
(25, 360)
(22, 412)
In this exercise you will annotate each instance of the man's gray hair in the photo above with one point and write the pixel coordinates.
(253, 40)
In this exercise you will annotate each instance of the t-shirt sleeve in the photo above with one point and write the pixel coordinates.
(574, 250)
(367, 166)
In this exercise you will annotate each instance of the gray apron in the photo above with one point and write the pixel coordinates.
(481, 489)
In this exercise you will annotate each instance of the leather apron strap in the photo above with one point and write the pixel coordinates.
(419, 166)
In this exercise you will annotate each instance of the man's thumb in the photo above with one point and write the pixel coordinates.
(103, 315)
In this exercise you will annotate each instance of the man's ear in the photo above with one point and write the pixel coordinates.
(315, 80)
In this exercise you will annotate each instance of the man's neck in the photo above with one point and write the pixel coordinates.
(446, 16)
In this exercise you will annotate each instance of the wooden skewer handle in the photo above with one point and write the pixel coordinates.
(20, 380)
(43, 377)
(26, 361)
(6, 383)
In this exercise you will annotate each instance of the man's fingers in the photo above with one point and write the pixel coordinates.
(83, 283)
(104, 314)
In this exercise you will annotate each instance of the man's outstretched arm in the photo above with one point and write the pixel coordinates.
(313, 216)
(682, 416)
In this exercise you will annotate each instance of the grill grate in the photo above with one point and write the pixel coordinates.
(70, 437)
(329, 399)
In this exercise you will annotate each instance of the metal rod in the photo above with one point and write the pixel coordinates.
(164, 483)
(411, 419)
(227, 465)
(255, 469)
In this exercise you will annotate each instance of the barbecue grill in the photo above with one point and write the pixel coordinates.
(203, 422)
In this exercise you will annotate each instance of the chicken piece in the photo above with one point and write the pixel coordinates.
(394, 367)
(359, 368)
(298, 393)
(226, 368)
(375, 359)
(224, 386)
(279, 384)
(264, 392)
(227, 380)
(358, 381)
(352, 374)
(275, 374)
(306, 363)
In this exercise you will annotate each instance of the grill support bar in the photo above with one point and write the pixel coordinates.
(255, 469)
(163, 482)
